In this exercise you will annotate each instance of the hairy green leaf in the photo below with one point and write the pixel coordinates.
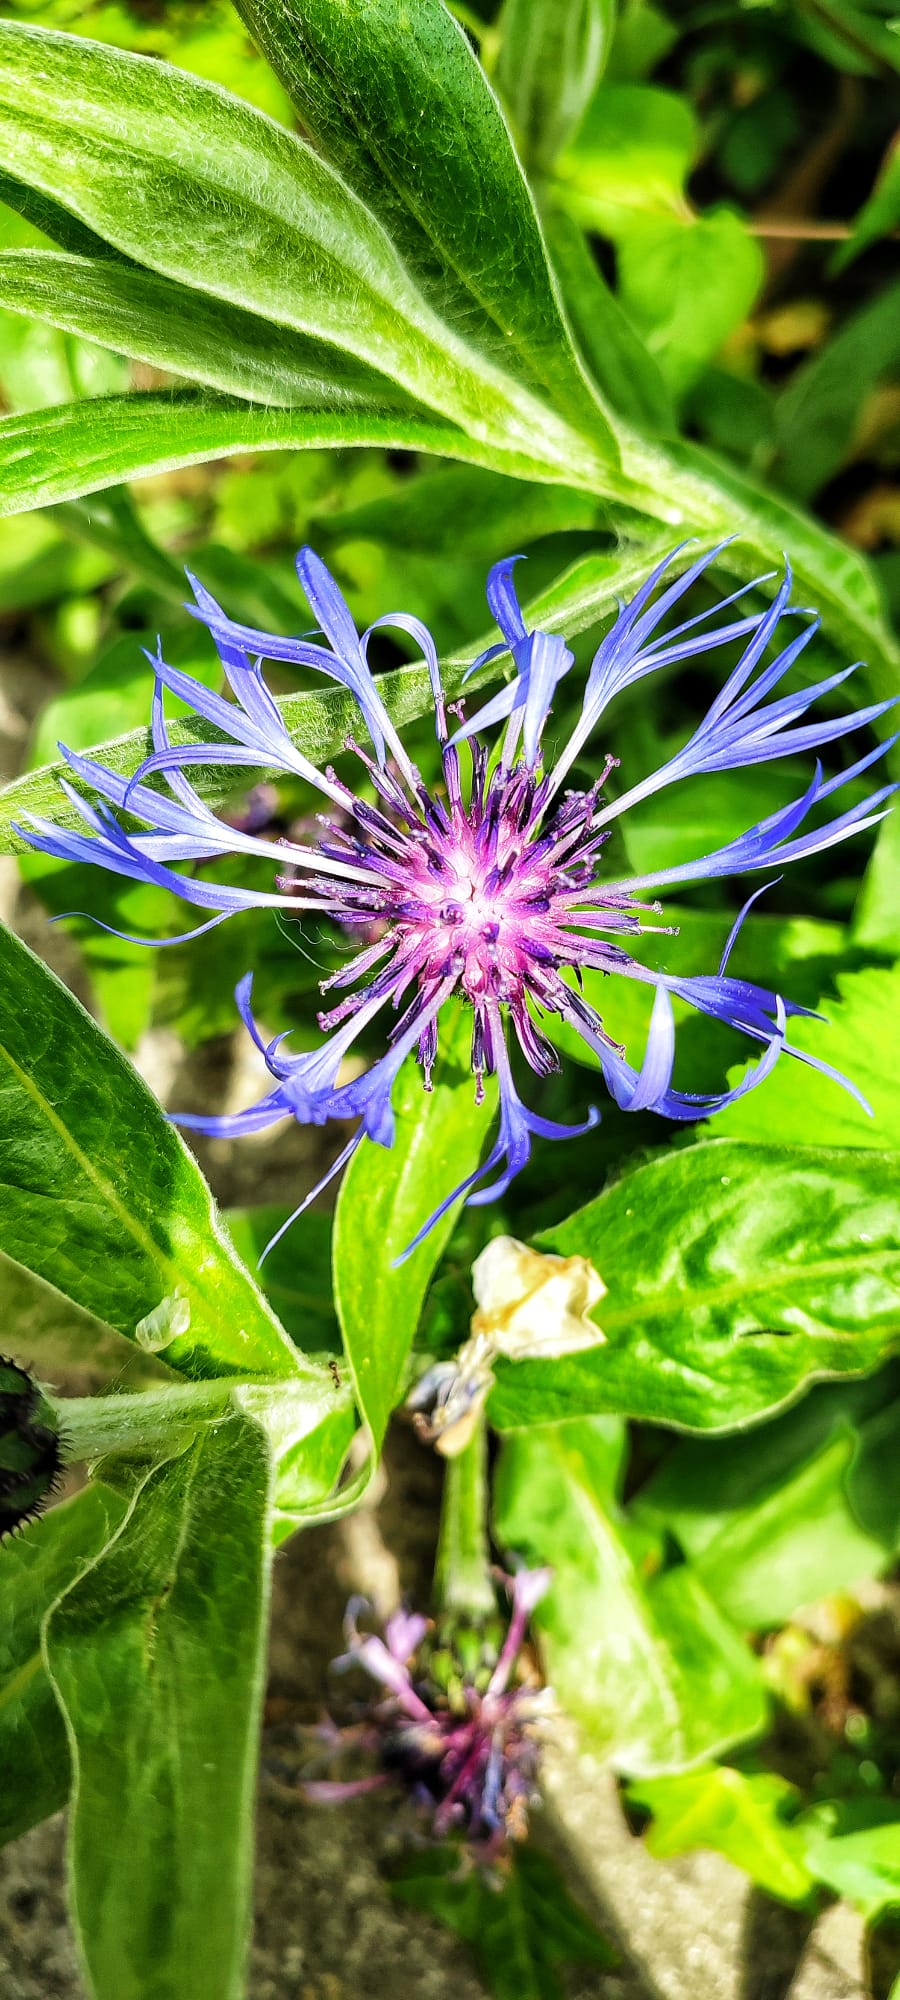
(197, 185)
(35, 1569)
(157, 1657)
(171, 326)
(128, 1227)
(736, 1275)
(397, 101)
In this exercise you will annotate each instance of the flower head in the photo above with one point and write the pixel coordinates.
(531, 1306)
(491, 887)
(467, 1748)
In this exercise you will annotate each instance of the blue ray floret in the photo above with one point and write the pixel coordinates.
(490, 887)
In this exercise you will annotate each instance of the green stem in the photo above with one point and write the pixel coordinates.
(93, 1425)
(463, 1585)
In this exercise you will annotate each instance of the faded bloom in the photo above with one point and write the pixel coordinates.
(492, 887)
(469, 1751)
(531, 1306)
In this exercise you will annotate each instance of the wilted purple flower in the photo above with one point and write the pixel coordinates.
(468, 1752)
(492, 888)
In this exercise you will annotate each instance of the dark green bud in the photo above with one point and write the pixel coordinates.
(30, 1453)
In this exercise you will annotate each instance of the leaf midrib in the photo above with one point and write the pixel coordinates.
(92, 1174)
(781, 1280)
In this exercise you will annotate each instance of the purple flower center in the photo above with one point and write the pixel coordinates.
(489, 888)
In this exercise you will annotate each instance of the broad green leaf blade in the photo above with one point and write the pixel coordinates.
(803, 1508)
(687, 282)
(859, 1856)
(52, 220)
(552, 55)
(736, 1275)
(861, 1041)
(738, 1814)
(197, 185)
(396, 99)
(385, 1198)
(35, 1570)
(654, 1675)
(631, 155)
(53, 1337)
(134, 1228)
(170, 326)
(158, 1658)
(801, 1544)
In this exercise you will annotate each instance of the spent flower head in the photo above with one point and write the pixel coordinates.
(466, 1746)
(491, 887)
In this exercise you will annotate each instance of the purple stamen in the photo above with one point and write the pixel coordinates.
(493, 891)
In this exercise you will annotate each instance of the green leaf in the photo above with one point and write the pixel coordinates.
(807, 1109)
(157, 1657)
(736, 1274)
(654, 1675)
(296, 1276)
(54, 1337)
(74, 448)
(198, 186)
(35, 1569)
(127, 1223)
(859, 1856)
(878, 216)
(815, 416)
(804, 1507)
(385, 1198)
(800, 1542)
(521, 1924)
(616, 356)
(52, 220)
(632, 152)
(172, 327)
(687, 283)
(552, 55)
(395, 98)
(737, 1814)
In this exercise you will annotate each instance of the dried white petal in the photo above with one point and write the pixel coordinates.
(533, 1306)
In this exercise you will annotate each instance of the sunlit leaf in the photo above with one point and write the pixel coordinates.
(157, 1657)
(650, 1669)
(736, 1274)
(385, 1198)
(130, 1222)
(739, 1814)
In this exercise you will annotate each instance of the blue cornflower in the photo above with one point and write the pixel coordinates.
(492, 887)
(469, 1752)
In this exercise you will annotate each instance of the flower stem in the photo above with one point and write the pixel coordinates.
(463, 1586)
(93, 1425)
